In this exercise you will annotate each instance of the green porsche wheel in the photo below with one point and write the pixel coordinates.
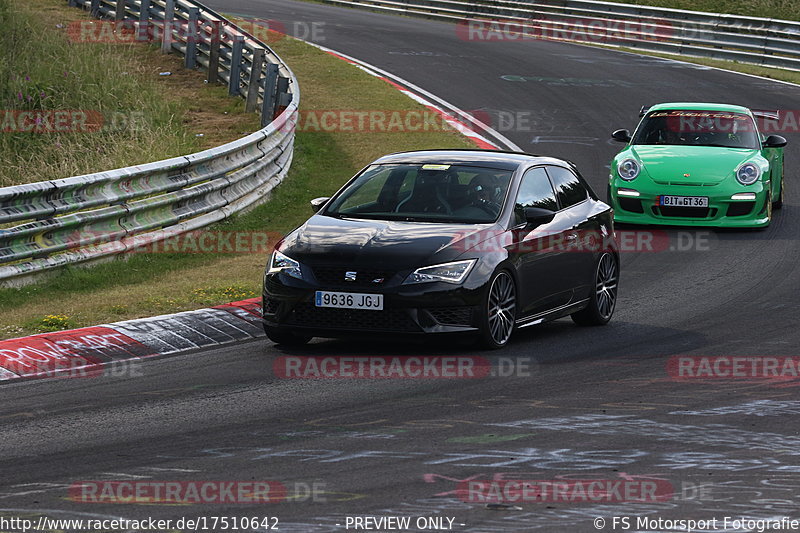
(768, 207)
(778, 203)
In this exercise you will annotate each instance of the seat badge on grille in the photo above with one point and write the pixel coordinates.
(377, 280)
(350, 276)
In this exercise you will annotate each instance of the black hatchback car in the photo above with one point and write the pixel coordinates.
(446, 241)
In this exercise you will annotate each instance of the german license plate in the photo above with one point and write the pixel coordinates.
(349, 300)
(683, 201)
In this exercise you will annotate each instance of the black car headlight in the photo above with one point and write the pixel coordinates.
(455, 272)
(282, 263)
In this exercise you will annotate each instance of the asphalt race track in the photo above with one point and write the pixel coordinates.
(586, 404)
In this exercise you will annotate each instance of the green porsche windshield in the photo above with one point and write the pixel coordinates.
(697, 128)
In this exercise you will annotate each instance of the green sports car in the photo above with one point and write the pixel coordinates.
(696, 164)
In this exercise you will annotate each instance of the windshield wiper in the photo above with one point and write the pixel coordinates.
(717, 145)
(394, 216)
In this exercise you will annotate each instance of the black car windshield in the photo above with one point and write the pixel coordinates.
(698, 128)
(424, 193)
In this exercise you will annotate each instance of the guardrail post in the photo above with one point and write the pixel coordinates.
(119, 10)
(94, 8)
(213, 52)
(235, 78)
(285, 99)
(166, 35)
(192, 36)
(145, 29)
(255, 74)
(270, 88)
(282, 96)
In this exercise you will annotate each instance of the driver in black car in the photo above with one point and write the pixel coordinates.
(486, 193)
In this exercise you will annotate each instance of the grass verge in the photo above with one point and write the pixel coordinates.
(141, 116)
(148, 284)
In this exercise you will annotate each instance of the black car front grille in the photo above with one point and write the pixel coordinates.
(363, 278)
(740, 209)
(682, 212)
(452, 316)
(308, 315)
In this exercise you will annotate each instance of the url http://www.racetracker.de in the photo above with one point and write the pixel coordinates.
(200, 523)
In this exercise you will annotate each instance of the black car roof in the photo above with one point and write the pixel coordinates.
(484, 158)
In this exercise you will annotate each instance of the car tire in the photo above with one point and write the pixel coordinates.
(603, 299)
(498, 311)
(768, 204)
(286, 337)
(777, 204)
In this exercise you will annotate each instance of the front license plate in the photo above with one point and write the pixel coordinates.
(683, 201)
(349, 300)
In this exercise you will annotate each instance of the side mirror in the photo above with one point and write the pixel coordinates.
(774, 141)
(622, 136)
(317, 203)
(536, 216)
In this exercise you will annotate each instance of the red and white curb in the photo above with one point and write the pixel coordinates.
(84, 351)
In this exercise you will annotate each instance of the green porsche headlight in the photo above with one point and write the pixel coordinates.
(748, 174)
(628, 169)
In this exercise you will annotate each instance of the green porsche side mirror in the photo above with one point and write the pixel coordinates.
(774, 141)
(622, 136)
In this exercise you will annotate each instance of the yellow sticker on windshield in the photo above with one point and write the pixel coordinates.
(435, 167)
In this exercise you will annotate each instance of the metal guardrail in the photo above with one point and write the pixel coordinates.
(758, 41)
(54, 223)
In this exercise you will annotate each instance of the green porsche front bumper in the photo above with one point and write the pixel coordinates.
(640, 202)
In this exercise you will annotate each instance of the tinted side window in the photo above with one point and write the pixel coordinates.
(534, 191)
(569, 189)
